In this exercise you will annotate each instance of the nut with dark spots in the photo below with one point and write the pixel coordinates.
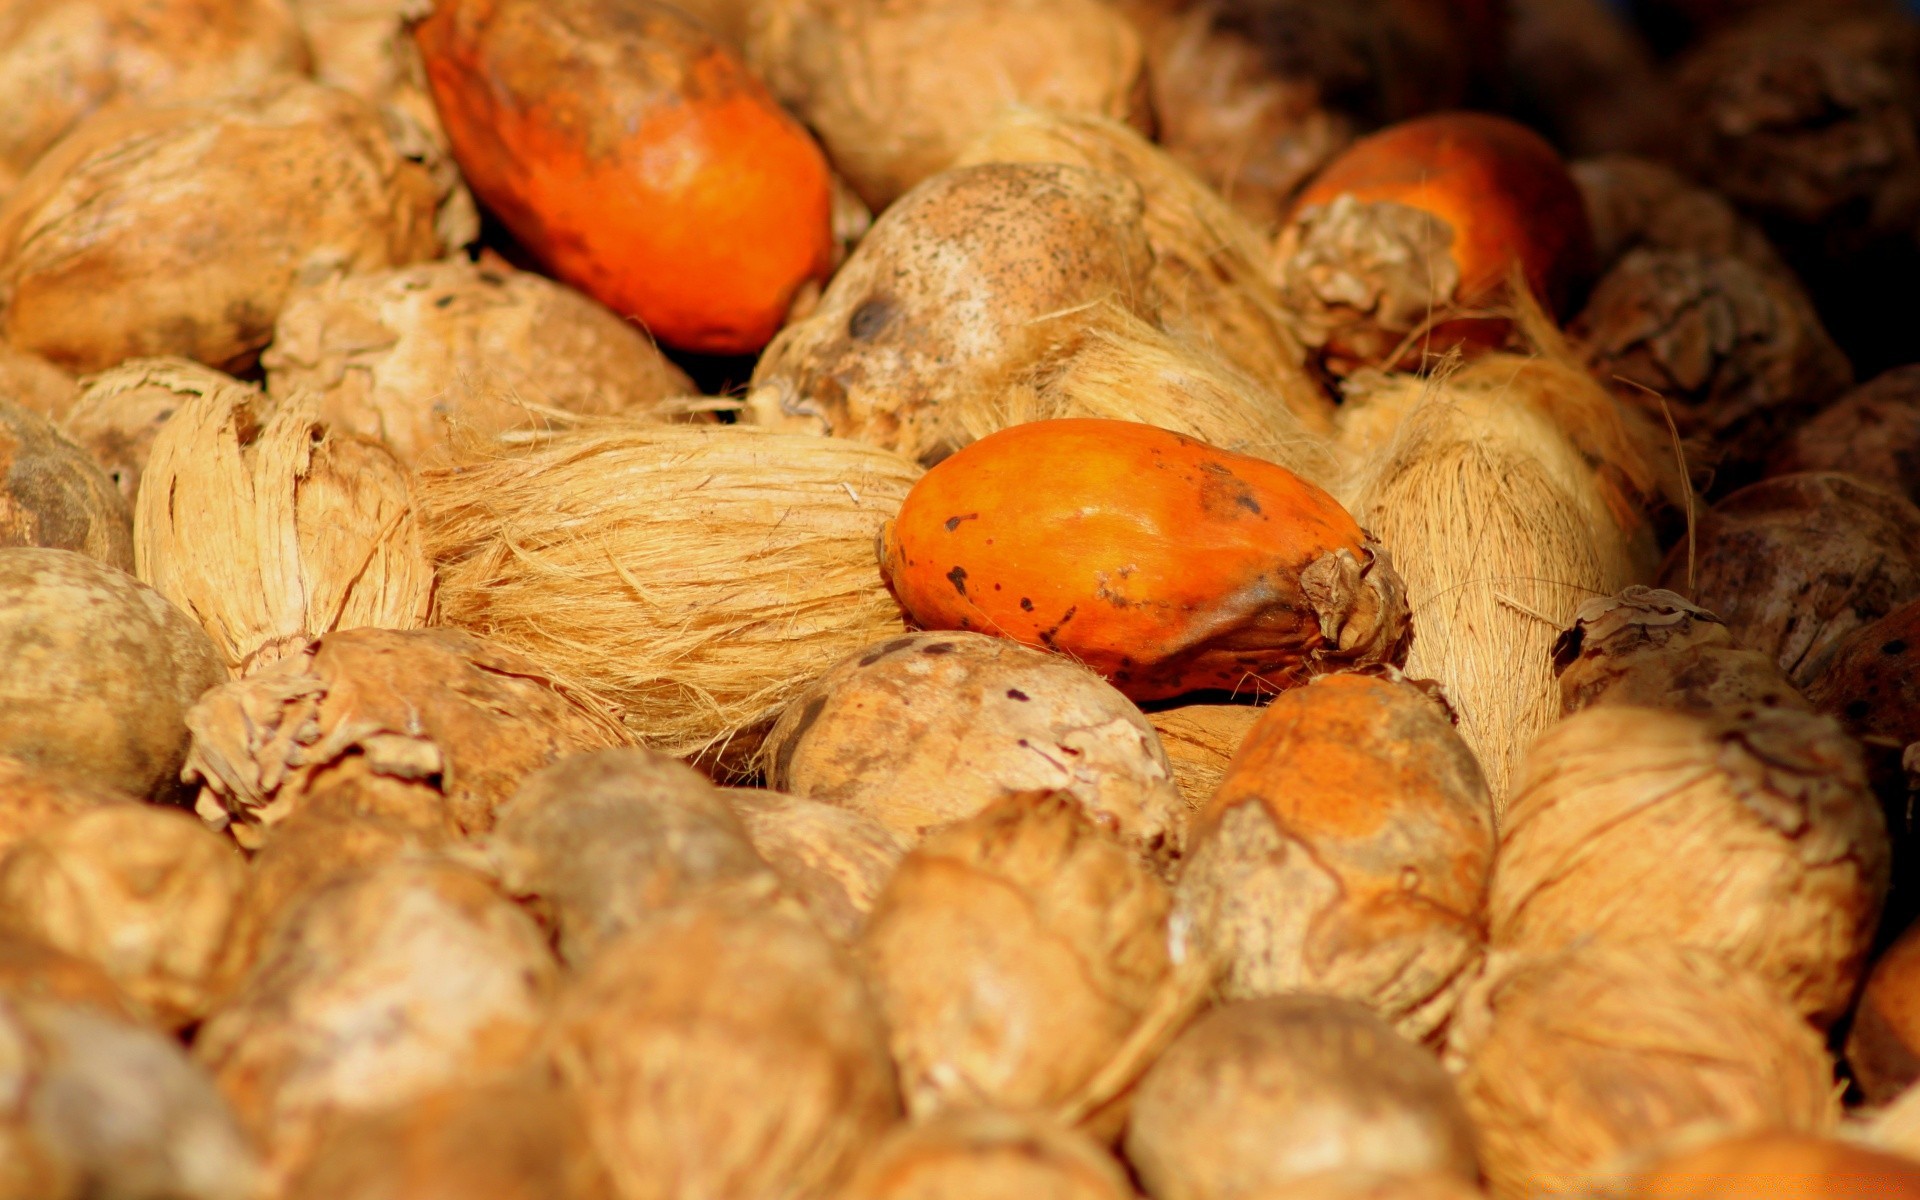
(53, 495)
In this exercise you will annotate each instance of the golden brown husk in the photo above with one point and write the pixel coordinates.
(271, 529)
(53, 495)
(1200, 740)
(1549, 1045)
(120, 412)
(930, 728)
(1784, 848)
(987, 1153)
(100, 672)
(1023, 959)
(1374, 1185)
(716, 1051)
(834, 860)
(434, 708)
(1348, 1091)
(410, 356)
(1650, 648)
(30, 969)
(1883, 1041)
(382, 986)
(1209, 285)
(35, 798)
(364, 47)
(697, 579)
(144, 891)
(35, 384)
(1508, 493)
(181, 228)
(896, 90)
(596, 843)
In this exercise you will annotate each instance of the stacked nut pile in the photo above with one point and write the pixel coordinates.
(959, 599)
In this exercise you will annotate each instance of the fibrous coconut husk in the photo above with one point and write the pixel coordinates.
(1873, 432)
(1200, 740)
(833, 859)
(100, 1106)
(981, 276)
(35, 384)
(1346, 852)
(1024, 959)
(596, 843)
(60, 62)
(101, 671)
(719, 1051)
(1583, 73)
(1784, 849)
(1735, 353)
(1509, 493)
(1209, 284)
(1650, 648)
(145, 892)
(697, 579)
(518, 1138)
(181, 228)
(1571, 1061)
(896, 90)
(1636, 203)
(407, 355)
(1883, 1043)
(982, 1153)
(926, 729)
(382, 986)
(120, 413)
(1258, 1093)
(52, 495)
(271, 529)
(433, 708)
(1795, 563)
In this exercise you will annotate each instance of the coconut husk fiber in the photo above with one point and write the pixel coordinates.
(1209, 283)
(695, 578)
(1509, 493)
(270, 529)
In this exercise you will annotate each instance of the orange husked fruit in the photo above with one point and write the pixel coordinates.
(1163, 563)
(637, 157)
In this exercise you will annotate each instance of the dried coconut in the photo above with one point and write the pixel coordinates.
(32, 970)
(52, 495)
(1373, 1185)
(364, 47)
(1795, 563)
(1568, 1062)
(1752, 835)
(146, 892)
(760, 1033)
(409, 355)
(1776, 1163)
(896, 90)
(1650, 648)
(931, 728)
(35, 384)
(986, 1153)
(383, 986)
(1346, 852)
(598, 842)
(1200, 740)
(105, 246)
(101, 671)
(271, 529)
(1582, 73)
(1872, 432)
(120, 412)
(697, 579)
(1634, 203)
(34, 798)
(437, 707)
(1258, 1093)
(1883, 1042)
(1024, 959)
(833, 860)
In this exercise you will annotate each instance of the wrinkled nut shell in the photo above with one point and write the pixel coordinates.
(1649, 648)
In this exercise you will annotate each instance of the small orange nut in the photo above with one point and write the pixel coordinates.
(1163, 563)
(638, 158)
(1406, 240)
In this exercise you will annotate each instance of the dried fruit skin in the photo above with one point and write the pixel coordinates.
(637, 157)
(53, 495)
(1409, 230)
(1162, 563)
(1347, 851)
(101, 671)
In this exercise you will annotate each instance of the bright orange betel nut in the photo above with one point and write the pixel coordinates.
(1163, 563)
(638, 158)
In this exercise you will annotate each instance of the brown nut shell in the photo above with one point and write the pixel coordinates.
(987, 1153)
(1650, 648)
(120, 413)
(1872, 432)
(1200, 740)
(834, 860)
(52, 495)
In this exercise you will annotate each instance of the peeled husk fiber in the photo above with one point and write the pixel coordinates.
(987, 1153)
(696, 579)
(1752, 835)
(1570, 1062)
(1509, 493)
(272, 530)
(1209, 284)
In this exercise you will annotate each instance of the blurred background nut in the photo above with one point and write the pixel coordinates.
(987, 1153)
(833, 859)
(53, 495)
